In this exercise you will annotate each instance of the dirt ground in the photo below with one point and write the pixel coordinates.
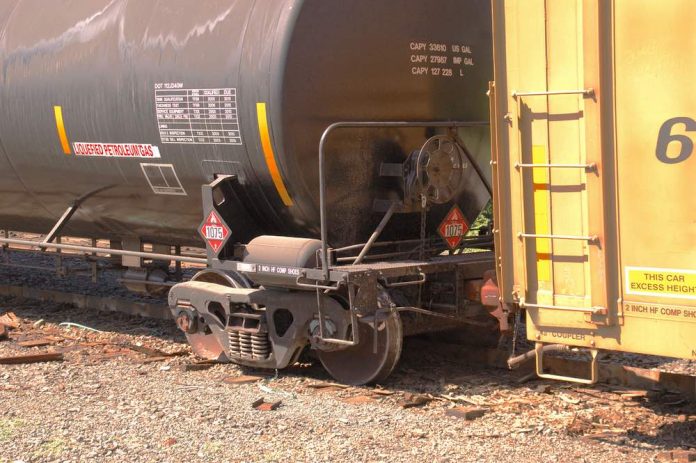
(133, 392)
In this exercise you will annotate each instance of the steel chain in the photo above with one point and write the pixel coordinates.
(424, 208)
(515, 331)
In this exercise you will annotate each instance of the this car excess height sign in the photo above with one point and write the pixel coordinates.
(214, 231)
(454, 227)
(206, 116)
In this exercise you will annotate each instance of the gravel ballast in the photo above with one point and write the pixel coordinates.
(118, 396)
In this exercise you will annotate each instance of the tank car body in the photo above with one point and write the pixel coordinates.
(137, 104)
(277, 123)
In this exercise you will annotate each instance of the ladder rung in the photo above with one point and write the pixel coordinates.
(590, 239)
(592, 166)
(592, 310)
(585, 92)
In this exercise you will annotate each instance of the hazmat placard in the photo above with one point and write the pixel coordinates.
(658, 282)
(453, 227)
(214, 231)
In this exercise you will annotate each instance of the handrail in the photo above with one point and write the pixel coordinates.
(585, 92)
(361, 125)
(96, 250)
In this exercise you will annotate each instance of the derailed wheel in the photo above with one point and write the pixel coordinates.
(204, 343)
(207, 347)
(200, 337)
(363, 364)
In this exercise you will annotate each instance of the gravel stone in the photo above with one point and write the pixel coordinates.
(103, 403)
(113, 403)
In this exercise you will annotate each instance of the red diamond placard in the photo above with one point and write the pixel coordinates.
(214, 231)
(454, 227)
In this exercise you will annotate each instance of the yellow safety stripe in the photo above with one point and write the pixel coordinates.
(60, 126)
(270, 156)
(542, 222)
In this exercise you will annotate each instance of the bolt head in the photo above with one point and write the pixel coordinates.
(185, 322)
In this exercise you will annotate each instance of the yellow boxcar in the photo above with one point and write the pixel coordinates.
(594, 126)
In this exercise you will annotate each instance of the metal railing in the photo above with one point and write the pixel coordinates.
(109, 251)
(362, 125)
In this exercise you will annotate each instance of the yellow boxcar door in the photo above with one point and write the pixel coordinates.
(594, 119)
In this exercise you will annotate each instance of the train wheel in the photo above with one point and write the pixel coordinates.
(203, 341)
(363, 364)
(206, 346)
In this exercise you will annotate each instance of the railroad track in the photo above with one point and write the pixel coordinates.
(106, 304)
(611, 373)
(61, 290)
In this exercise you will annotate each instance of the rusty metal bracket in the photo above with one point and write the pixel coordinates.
(353, 320)
(70, 211)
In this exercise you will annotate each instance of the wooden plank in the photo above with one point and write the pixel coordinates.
(32, 358)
